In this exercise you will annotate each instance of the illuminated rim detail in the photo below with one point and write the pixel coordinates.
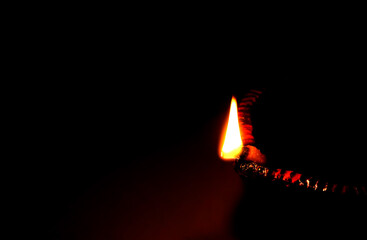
(253, 165)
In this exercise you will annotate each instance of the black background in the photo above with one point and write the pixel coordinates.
(121, 135)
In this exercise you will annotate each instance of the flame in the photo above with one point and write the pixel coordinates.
(232, 145)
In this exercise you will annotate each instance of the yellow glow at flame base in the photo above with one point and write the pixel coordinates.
(232, 145)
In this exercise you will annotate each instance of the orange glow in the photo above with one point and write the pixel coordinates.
(255, 155)
(296, 177)
(287, 175)
(232, 145)
(277, 174)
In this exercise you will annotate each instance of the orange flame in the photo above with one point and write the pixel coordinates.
(232, 145)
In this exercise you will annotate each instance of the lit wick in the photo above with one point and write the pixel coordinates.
(250, 162)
